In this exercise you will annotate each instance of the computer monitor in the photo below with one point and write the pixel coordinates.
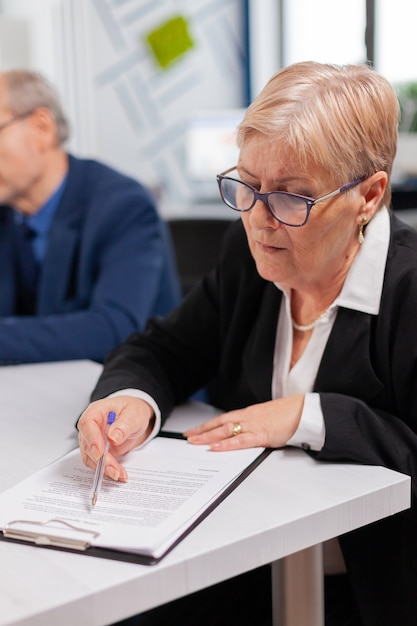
(210, 148)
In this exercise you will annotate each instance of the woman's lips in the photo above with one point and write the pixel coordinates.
(268, 247)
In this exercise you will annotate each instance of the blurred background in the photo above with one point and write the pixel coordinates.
(156, 87)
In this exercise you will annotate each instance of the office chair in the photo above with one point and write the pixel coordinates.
(197, 243)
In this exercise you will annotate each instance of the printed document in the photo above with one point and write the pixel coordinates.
(171, 484)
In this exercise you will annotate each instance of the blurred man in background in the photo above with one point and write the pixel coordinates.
(85, 259)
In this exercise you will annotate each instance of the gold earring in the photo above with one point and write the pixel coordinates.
(361, 237)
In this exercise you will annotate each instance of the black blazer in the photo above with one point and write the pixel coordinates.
(223, 336)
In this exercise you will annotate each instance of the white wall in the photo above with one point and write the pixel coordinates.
(324, 31)
(123, 107)
(264, 17)
(39, 18)
(126, 110)
(396, 42)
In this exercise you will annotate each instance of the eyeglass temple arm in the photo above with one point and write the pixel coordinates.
(228, 171)
(341, 189)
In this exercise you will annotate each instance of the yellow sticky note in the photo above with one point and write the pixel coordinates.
(170, 40)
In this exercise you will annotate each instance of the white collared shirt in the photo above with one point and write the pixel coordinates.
(361, 292)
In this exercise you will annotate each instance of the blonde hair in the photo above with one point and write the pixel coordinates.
(343, 118)
(27, 91)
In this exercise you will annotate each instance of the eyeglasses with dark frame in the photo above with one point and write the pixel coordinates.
(290, 209)
(15, 118)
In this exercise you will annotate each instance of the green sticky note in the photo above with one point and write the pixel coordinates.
(170, 40)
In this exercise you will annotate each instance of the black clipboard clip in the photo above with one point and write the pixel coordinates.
(54, 533)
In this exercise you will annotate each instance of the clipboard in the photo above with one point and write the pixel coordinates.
(60, 534)
(51, 533)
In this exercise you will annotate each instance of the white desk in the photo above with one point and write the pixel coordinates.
(289, 503)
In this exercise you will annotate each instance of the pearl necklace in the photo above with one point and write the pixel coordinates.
(307, 327)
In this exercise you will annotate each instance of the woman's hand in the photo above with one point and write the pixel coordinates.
(267, 425)
(133, 424)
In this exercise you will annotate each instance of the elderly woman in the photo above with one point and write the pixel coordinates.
(305, 331)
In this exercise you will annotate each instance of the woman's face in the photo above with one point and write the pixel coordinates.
(310, 255)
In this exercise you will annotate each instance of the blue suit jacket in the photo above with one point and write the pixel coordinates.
(109, 266)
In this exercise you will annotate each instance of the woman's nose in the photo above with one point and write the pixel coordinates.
(261, 216)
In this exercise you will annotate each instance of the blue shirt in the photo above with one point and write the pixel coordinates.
(41, 221)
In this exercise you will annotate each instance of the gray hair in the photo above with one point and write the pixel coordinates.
(27, 91)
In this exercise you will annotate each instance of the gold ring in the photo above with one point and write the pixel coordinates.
(236, 430)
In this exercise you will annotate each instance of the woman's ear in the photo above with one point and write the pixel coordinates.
(373, 189)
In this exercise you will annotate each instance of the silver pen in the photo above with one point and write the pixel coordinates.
(98, 476)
